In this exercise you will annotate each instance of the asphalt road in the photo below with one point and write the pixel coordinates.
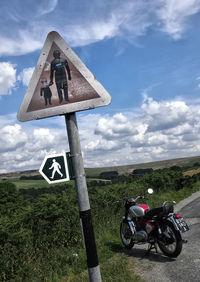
(186, 267)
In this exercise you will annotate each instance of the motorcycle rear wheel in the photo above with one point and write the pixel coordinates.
(171, 249)
(126, 235)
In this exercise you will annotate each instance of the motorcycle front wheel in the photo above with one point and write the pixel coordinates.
(126, 235)
(171, 242)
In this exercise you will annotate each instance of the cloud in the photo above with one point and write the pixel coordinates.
(93, 22)
(47, 7)
(160, 130)
(23, 147)
(157, 130)
(164, 115)
(173, 15)
(124, 20)
(26, 75)
(12, 137)
(23, 42)
(7, 77)
(116, 127)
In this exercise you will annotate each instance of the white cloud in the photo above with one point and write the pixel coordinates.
(161, 130)
(115, 127)
(7, 77)
(156, 131)
(174, 14)
(12, 137)
(164, 115)
(94, 22)
(23, 146)
(47, 6)
(23, 42)
(26, 75)
(126, 20)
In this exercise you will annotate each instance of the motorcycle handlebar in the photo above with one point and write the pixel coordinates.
(133, 199)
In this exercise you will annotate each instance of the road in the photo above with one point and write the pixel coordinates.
(186, 267)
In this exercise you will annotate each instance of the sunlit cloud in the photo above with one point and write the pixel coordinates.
(127, 20)
(7, 77)
(156, 131)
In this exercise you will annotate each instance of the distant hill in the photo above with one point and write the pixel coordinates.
(125, 169)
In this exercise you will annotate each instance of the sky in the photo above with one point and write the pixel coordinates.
(145, 53)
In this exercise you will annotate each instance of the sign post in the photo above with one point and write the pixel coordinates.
(83, 199)
(62, 85)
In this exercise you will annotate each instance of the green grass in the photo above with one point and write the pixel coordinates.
(26, 184)
(177, 196)
(116, 269)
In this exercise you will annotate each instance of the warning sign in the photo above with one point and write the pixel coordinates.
(60, 84)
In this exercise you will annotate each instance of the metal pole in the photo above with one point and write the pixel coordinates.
(83, 199)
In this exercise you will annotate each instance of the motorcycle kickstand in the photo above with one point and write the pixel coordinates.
(152, 246)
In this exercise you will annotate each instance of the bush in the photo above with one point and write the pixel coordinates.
(108, 174)
(142, 171)
(31, 177)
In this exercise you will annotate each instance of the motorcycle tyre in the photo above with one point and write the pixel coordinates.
(128, 245)
(179, 242)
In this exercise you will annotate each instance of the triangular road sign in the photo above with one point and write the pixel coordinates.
(60, 84)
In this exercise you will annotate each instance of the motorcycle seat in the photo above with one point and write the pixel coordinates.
(162, 210)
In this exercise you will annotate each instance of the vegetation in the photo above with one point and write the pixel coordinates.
(40, 234)
(109, 174)
(142, 171)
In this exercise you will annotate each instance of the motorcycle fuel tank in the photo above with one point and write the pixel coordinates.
(138, 210)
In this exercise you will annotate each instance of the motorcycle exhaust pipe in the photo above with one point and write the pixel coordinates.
(184, 241)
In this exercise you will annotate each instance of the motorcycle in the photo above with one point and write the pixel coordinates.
(158, 226)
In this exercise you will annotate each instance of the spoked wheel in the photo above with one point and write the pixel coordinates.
(126, 235)
(171, 241)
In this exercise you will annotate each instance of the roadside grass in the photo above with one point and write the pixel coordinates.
(115, 269)
(177, 196)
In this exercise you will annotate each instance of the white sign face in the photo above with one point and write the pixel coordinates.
(54, 168)
(60, 84)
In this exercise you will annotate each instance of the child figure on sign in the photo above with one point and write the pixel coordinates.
(45, 91)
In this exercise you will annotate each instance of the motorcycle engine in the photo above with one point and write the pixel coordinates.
(140, 236)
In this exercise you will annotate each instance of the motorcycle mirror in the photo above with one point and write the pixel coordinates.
(150, 191)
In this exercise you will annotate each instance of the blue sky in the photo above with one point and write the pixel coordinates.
(144, 53)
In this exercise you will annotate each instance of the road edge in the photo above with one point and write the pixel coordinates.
(186, 201)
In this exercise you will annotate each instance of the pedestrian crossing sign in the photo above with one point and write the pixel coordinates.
(54, 168)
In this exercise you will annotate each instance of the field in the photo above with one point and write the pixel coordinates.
(191, 172)
(40, 234)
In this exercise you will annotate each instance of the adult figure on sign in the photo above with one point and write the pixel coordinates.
(56, 168)
(58, 66)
